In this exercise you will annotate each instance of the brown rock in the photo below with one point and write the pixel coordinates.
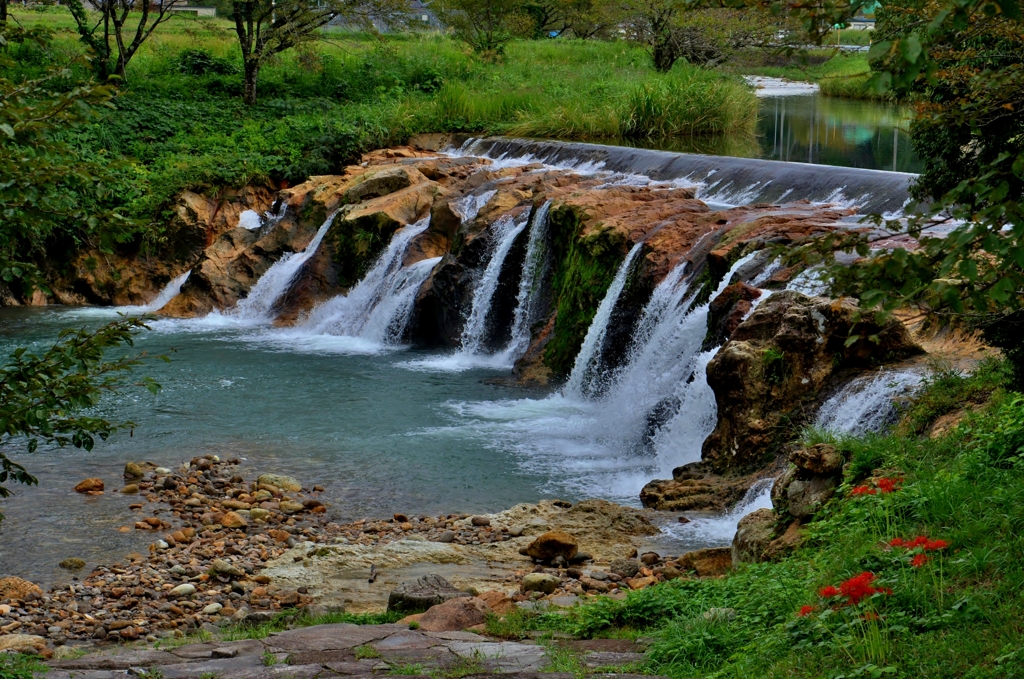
(15, 588)
(89, 486)
(818, 459)
(499, 602)
(753, 533)
(233, 520)
(24, 643)
(551, 544)
(708, 562)
(130, 489)
(789, 541)
(640, 583)
(455, 615)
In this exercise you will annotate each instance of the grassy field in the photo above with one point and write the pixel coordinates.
(179, 122)
(948, 605)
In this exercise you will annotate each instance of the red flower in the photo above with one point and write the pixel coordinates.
(863, 490)
(897, 542)
(871, 615)
(918, 560)
(889, 485)
(919, 541)
(858, 587)
(829, 591)
(805, 611)
(935, 545)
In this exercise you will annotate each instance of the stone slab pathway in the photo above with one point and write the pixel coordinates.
(341, 650)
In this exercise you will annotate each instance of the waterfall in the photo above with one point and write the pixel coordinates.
(585, 364)
(506, 230)
(469, 207)
(381, 301)
(719, 530)
(866, 404)
(532, 264)
(276, 281)
(169, 292)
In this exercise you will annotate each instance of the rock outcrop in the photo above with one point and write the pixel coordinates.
(777, 362)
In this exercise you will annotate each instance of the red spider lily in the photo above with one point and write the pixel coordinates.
(935, 545)
(859, 587)
(921, 541)
(897, 542)
(863, 490)
(805, 611)
(889, 485)
(918, 560)
(829, 591)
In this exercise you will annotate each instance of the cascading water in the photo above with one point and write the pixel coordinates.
(583, 369)
(169, 292)
(721, 529)
(506, 230)
(377, 308)
(276, 281)
(528, 284)
(866, 404)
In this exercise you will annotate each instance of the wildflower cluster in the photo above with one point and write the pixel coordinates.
(854, 590)
(883, 485)
(921, 542)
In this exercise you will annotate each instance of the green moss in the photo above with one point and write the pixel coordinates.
(584, 269)
(358, 242)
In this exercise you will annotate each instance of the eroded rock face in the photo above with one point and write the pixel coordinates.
(776, 363)
(754, 533)
(695, 487)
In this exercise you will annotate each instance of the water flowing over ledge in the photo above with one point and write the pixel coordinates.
(725, 180)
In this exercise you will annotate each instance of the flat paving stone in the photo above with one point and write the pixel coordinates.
(280, 672)
(353, 668)
(456, 636)
(505, 650)
(612, 659)
(202, 651)
(407, 640)
(602, 645)
(329, 637)
(439, 656)
(223, 667)
(121, 660)
(324, 657)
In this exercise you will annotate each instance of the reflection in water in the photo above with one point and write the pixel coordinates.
(811, 129)
(829, 131)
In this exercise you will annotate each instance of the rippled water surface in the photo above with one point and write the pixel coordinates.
(382, 430)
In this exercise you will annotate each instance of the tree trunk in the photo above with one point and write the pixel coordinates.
(3, 11)
(252, 72)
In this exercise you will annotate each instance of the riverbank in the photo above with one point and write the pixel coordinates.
(226, 552)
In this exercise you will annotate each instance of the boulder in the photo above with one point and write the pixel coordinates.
(695, 487)
(133, 471)
(552, 544)
(805, 497)
(454, 615)
(15, 588)
(422, 593)
(818, 459)
(626, 568)
(753, 533)
(786, 543)
(777, 362)
(90, 486)
(708, 562)
(24, 643)
(72, 563)
(499, 602)
(286, 483)
(541, 582)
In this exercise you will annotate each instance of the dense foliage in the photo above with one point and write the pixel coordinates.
(913, 570)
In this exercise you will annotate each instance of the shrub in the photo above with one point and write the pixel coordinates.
(201, 62)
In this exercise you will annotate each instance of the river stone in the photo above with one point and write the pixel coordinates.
(291, 507)
(184, 590)
(89, 486)
(133, 471)
(551, 544)
(72, 564)
(212, 609)
(224, 568)
(259, 515)
(23, 643)
(480, 521)
(422, 593)
(541, 582)
(233, 520)
(626, 568)
(280, 481)
(753, 534)
(446, 536)
(16, 589)
(454, 615)
(708, 562)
